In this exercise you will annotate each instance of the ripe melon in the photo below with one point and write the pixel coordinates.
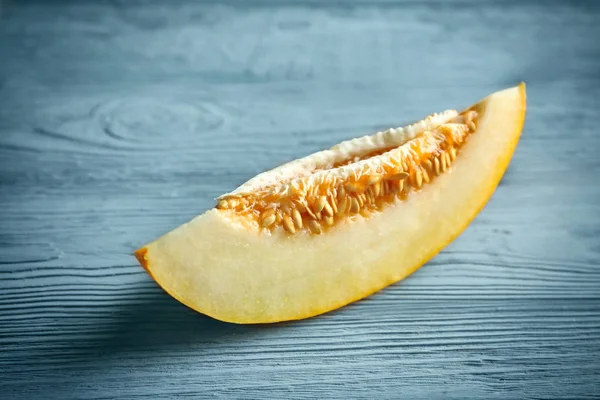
(336, 226)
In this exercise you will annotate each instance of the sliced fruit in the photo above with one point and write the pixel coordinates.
(320, 232)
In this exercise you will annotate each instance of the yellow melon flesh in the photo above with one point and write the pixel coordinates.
(234, 273)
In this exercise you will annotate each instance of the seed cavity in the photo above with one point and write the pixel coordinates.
(358, 187)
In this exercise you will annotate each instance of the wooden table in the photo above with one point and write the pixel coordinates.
(120, 121)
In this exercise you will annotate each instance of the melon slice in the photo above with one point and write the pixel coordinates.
(325, 230)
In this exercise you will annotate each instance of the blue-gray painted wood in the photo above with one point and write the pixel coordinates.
(120, 121)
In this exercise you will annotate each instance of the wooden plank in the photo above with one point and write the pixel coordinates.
(119, 122)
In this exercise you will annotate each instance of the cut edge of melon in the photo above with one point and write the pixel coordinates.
(144, 254)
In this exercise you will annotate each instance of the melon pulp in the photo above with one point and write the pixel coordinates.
(336, 226)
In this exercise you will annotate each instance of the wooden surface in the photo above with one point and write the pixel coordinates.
(120, 121)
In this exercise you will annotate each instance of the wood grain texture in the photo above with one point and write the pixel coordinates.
(120, 121)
